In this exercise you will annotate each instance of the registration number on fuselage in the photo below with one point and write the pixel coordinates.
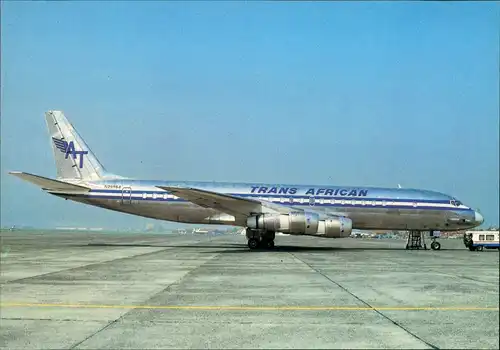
(116, 187)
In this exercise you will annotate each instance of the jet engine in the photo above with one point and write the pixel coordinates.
(302, 223)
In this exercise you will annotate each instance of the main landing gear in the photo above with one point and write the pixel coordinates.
(416, 240)
(259, 239)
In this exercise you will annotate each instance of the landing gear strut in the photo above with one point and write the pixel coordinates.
(260, 239)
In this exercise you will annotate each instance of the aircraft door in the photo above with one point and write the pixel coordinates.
(126, 195)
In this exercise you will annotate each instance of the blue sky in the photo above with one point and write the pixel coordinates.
(342, 93)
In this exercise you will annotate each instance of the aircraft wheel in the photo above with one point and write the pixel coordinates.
(435, 246)
(253, 243)
(270, 244)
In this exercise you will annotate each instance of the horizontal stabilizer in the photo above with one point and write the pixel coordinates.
(49, 184)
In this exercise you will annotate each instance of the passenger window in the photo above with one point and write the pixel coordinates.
(481, 237)
(489, 237)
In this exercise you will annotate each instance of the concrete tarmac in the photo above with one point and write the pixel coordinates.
(109, 291)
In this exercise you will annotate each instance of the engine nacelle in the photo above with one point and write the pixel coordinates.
(335, 227)
(302, 223)
(293, 223)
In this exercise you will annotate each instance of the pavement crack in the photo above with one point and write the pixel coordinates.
(146, 301)
(24, 279)
(167, 288)
(394, 322)
(98, 331)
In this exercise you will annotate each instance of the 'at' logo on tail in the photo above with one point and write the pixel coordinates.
(69, 148)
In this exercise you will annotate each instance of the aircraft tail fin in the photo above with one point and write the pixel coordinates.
(74, 159)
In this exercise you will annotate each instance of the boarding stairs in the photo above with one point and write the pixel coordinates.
(416, 240)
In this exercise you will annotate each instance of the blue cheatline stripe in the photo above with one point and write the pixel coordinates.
(317, 204)
(486, 245)
(274, 195)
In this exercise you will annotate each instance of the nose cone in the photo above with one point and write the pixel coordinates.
(478, 218)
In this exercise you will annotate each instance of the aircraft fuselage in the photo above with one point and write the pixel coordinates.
(367, 207)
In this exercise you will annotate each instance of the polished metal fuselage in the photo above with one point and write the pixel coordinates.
(367, 207)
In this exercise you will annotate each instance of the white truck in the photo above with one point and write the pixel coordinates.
(479, 240)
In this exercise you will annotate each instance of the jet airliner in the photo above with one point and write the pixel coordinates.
(262, 209)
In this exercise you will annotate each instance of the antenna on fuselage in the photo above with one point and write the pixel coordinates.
(399, 186)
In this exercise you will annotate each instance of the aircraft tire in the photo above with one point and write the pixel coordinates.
(270, 244)
(435, 246)
(253, 243)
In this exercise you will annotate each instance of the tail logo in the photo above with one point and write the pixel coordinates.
(69, 148)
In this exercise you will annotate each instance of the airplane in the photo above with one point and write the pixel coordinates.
(262, 210)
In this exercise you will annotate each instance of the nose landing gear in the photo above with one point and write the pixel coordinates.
(435, 245)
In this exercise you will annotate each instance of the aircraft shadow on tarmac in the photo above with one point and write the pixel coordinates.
(242, 248)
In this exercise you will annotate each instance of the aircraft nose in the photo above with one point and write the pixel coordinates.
(478, 218)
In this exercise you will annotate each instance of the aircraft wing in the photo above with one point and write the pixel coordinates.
(229, 204)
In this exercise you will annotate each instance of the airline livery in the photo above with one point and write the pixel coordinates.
(263, 209)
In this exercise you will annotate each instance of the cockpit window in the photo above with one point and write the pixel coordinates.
(455, 202)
